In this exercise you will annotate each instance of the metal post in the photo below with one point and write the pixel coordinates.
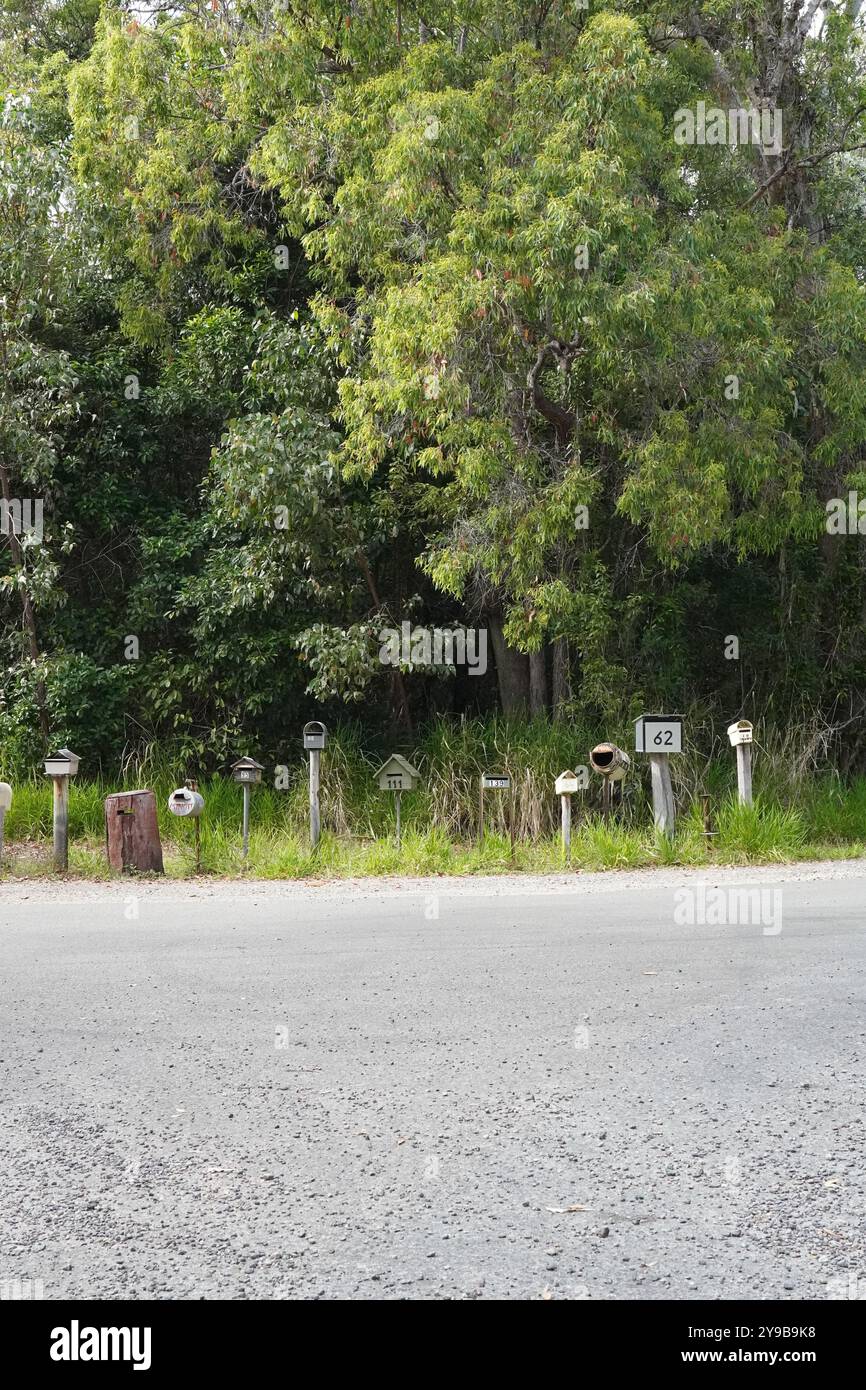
(744, 773)
(192, 785)
(2, 819)
(397, 796)
(565, 800)
(511, 818)
(61, 824)
(315, 819)
(605, 799)
(664, 812)
(246, 819)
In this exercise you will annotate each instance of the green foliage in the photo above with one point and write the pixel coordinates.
(315, 319)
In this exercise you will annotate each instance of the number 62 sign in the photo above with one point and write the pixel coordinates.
(658, 733)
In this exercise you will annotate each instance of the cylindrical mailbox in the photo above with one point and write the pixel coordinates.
(609, 761)
(5, 796)
(183, 802)
(132, 832)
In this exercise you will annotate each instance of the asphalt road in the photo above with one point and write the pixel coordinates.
(546, 1090)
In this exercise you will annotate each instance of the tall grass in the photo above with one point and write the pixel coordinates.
(801, 807)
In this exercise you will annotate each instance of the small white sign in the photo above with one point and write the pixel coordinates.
(658, 733)
(495, 781)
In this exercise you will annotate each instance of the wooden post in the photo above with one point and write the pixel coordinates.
(664, 811)
(246, 819)
(397, 796)
(61, 824)
(481, 811)
(565, 800)
(605, 798)
(315, 819)
(744, 773)
(511, 811)
(2, 819)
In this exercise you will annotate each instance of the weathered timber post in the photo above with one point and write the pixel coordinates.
(315, 739)
(60, 768)
(659, 735)
(740, 736)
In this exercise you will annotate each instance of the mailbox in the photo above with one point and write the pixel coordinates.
(247, 770)
(658, 733)
(495, 781)
(315, 735)
(5, 797)
(740, 732)
(398, 775)
(609, 761)
(183, 802)
(567, 783)
(62, 764)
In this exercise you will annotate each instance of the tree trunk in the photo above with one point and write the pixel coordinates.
(26, 605)
(561, 678)
(512, 670)
(537, 682)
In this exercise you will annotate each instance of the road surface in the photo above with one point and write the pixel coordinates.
(434, 1089)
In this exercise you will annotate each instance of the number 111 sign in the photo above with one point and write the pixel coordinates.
(658, 733)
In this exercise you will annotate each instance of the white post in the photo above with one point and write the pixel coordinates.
(397, 796)
(565, 799)
(2, 819)
(664, 811)
(744, 773)
(315, 820)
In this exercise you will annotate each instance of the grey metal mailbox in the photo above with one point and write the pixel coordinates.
(315, 735)
(398, 775)
(247, 770)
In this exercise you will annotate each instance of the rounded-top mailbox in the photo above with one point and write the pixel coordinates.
(315, 734)
(183, 802)
(5, 796)
(609, 761)
(740, 732)
(247, 770)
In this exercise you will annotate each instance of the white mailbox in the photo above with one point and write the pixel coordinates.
(398, 775)
(567, 783)
(5, 797)
(658, 733)
(740, 732)
(62, 764)
(183, 802)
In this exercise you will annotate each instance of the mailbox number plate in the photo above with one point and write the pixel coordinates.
(661, 736)
(491, 783)
(397, 782)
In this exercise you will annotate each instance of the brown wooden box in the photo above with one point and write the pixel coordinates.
(132, 833)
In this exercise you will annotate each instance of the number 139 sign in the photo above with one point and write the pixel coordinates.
(658, 733)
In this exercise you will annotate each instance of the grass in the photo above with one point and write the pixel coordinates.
(802, 810)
